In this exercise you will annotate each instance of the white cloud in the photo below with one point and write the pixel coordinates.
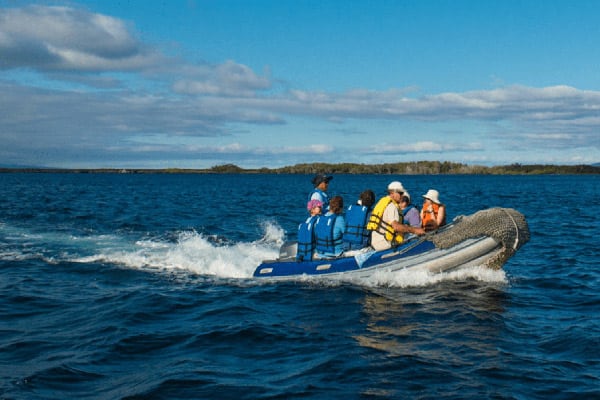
(227, 79)
(422, 147)
(64, 38)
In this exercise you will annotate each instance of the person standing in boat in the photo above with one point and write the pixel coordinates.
(410, 213)
(329, 230)
(385, 223)
(321, 184)
(433, 213)
(356, 235)
(306, 236)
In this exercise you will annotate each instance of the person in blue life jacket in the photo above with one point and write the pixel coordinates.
(356, 235)
(329, 230)
(411, 214)
(321, 184)
(306, 236)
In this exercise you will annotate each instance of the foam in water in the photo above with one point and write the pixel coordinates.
(420, 277)
(412, 278)
(196, 253)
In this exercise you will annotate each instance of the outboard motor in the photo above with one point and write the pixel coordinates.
(288, 250)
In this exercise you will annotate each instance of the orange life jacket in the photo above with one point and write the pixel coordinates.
(429, 213)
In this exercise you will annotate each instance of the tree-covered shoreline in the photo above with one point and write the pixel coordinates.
(400, 168)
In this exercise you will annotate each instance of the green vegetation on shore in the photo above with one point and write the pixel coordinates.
(401, 168)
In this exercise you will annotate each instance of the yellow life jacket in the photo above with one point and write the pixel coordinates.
(376, 222)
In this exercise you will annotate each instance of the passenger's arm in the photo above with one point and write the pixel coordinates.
(441, 216)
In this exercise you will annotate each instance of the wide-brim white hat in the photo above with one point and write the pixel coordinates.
(433, 195)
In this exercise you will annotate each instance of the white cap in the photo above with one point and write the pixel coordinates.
(396, 187)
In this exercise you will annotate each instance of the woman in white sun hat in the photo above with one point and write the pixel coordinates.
(433, 213)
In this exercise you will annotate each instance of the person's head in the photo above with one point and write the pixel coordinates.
(367, 198)
(321, 181)
(336, 204)
(433, 196)
(396, 190)
(314, 207)
(404, 201)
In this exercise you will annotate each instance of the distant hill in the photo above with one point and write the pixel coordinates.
(403, 168)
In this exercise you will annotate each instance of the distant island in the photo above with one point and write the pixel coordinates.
(401, 168)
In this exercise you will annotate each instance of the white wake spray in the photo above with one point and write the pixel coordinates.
(195, 253)
(420, 278)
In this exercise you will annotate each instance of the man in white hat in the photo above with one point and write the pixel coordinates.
(385, 223)
(433, 213)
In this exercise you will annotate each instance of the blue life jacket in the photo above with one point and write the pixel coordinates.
(356, 235)
(325, 242)
(306, 239)
(324, 198)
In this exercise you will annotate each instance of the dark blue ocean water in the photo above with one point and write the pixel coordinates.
(121, 286)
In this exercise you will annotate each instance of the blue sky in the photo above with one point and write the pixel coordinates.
(193, 84)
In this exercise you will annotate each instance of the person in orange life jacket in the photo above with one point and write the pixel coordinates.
(306, 237)
(321, 184)
(411, 215)
(356, 235)
(433, 213)
(329, 230)
(385, 221)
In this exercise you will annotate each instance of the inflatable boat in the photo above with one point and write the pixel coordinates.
(486, 238)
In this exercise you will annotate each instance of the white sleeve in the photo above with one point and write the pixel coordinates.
(391, 214)
(317, 196)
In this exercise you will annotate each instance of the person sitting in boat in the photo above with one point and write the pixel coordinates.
(410, 213)
(321, 184)
(306, 237)
(385, 224)
(329, 230)
(433, 213)
(356, 235)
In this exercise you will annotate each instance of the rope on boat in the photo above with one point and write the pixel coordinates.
(511, 232)
(516, 230)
